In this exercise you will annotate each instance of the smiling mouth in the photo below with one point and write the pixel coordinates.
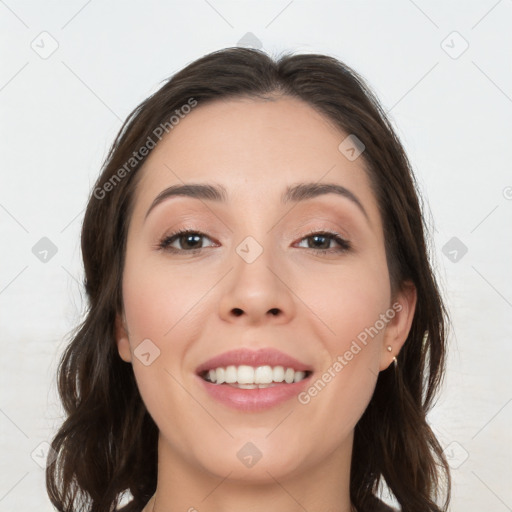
(250, 377)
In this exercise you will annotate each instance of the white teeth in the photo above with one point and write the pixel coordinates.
(278, 374)
(288, 375)
(263, 375)
(298, 376)
(245, 375)
(220, 374)
(230, 375)
(248, 377)
(247, 386)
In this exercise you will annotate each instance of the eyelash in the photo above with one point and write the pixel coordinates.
(164, 244)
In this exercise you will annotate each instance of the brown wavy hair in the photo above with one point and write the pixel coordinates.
(107, 444)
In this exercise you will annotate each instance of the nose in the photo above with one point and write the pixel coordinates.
(257, 292)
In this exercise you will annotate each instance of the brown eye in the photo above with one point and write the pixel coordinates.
(187, 240)
(322, 241)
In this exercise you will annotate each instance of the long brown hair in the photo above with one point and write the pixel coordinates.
(107, 444)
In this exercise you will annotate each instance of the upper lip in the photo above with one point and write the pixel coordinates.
(261, 357)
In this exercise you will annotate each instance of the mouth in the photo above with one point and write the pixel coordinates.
(252, 381)
(249, 377)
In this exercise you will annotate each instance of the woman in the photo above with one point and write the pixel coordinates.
(264, 328)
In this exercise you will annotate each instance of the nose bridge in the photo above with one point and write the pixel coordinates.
(256, 289)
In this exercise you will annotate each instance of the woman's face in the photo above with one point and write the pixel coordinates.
(260, 271)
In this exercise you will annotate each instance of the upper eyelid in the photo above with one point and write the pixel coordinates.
(312, 213)
(319, 221)
(309, 232)
(333, 234)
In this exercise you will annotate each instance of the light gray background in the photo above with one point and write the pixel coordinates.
(60, 113)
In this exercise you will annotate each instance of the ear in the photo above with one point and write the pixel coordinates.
(122, 341)
(399, 326)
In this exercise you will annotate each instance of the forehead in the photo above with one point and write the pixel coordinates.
(255, 148)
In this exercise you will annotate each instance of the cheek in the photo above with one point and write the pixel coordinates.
(158, 302)
(351, 305)
(347, 301)
(163, 311)
(156, 310)
(346, 382)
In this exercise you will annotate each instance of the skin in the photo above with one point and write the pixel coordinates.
(186, 304)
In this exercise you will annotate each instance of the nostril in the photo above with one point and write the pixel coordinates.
(238, 311)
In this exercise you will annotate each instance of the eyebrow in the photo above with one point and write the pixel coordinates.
(294, 194)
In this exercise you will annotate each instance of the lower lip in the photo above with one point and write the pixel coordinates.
(254, 399)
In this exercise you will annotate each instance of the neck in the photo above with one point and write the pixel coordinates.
(182, 485)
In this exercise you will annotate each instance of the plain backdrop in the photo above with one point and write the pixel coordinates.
(72, 71)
